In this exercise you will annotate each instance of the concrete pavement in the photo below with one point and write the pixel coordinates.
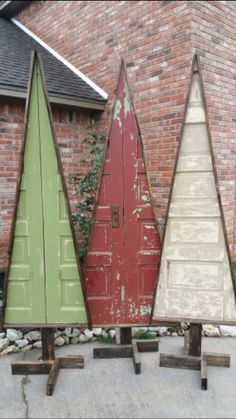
(110, 389)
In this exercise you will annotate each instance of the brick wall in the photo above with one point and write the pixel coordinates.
(157, 40)
(71, 129)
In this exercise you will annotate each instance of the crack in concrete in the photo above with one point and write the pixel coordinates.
(25, 381)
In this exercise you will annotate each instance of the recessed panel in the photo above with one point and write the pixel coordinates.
(189, 208)
(195, 275)
(147, 278)
(98, 281)
(196, 305)
(105, 191)
(100, 237)
(191, 163)
(18, 294)
(71, 294)
(67, 252)
(195, 139)
(20, 250)
(143, 196)
(195, 252)
(194, 231)
(62, 207)
(198, 185)
(147, 235)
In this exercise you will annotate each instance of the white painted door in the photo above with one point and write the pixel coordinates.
(195, 281)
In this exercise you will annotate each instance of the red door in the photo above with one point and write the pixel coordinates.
(123, 254)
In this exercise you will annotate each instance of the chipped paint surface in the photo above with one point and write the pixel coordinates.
(122, 262)
(127, 104)
(195, 280)
(117, 112)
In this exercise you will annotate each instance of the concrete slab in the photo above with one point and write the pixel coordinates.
(110, 389)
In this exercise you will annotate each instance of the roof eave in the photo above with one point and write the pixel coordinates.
(12, 8)
(55, 99)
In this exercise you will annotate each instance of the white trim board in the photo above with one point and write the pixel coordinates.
(60, 58)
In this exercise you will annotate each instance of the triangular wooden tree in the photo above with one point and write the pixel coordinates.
(195, 280)
(43, 282)
(123, 251)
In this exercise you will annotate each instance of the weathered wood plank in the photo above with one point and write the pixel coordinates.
(204, 372)
(180, 361)
(151, 345)
(52, 378)
(31, 367)
(71, 361)
(136, 358)
(113, 352)
(218, 360)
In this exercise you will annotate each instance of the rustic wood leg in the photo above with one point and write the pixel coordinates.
(48, 347)
(204, 372)
(136, 358)
(195, 339)
(186, 343)
(52, 377)
(125, 335)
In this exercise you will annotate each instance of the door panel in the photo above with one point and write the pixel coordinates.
(44, 281)
(195, 281)
(123, 253)
(64, 297)
(26, 293)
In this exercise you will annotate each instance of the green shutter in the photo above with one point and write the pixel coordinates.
(44, 280)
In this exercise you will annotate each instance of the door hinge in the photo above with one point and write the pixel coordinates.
(123, 293)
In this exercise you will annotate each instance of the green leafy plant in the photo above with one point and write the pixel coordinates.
(145, 335)
(85, 187)
(106, 339)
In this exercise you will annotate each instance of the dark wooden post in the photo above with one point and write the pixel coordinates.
(125, 335)
(195, 339)
(48, 347)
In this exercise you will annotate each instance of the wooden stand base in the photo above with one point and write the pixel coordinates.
(49, 364)
(195, 360)
(130, 350)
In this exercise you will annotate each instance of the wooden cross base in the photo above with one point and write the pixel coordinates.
(51, 368)
(195, 363)
(195, 359)
(49, 364)
(128, 351)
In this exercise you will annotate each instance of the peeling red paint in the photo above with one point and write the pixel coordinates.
(122, 260)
